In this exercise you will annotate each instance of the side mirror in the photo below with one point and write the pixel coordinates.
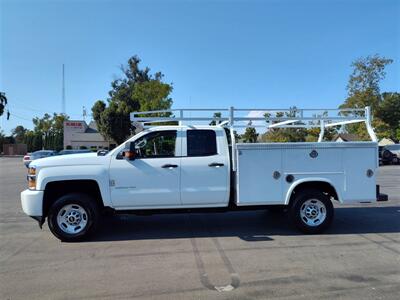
(129, 155)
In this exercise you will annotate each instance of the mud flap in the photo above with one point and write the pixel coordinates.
(40, 220)
(380, 196)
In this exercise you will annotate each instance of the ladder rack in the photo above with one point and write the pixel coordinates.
(258, 117)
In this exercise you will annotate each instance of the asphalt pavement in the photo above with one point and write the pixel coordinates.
(240, 255)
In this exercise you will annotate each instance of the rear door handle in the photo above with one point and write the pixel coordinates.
(214, 164)
(169, 166)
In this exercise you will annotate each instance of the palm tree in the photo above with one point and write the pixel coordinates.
(3, 102)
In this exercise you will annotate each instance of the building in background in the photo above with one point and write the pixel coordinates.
(14, 149)
(78, 135)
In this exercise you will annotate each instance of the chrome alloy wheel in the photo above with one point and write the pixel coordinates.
(313, 212)
(72, 218)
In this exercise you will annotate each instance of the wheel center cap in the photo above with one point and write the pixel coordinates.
(73, 218)
(311, 212)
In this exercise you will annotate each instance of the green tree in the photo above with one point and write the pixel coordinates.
(285, 134)
(367, 73)
(313, 134)
(49, 131)
(389, 112)
(19, 134)
(3, 102)
(250, 135)
(217, 119)
(57, 131)
(137, 90)
(363, 90)
(28, 140)
(2, 140)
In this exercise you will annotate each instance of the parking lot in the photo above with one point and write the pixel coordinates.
(241, 255)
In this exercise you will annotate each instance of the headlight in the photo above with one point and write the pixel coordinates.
(32, 171)
(31, 178)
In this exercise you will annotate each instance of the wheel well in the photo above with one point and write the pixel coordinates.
(322, 186)
(56, 189)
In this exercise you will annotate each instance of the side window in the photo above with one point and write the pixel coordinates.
(156, 144)
(201, 142)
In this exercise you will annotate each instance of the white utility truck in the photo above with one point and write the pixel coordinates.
(192, 168)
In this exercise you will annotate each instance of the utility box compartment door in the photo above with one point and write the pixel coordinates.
(259, 176)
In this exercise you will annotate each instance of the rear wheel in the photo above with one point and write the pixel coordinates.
(312, 211)
(73, 217)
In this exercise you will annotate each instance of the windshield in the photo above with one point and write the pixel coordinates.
(124, 144)
(41, 153)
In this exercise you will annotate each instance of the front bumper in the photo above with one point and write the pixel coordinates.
(32, 203)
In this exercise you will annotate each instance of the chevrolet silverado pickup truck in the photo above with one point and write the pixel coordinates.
(192, 168)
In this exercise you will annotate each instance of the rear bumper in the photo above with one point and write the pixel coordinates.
(380, 196)
(32, 203)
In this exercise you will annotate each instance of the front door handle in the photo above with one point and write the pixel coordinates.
(214, 164)
(169, 166)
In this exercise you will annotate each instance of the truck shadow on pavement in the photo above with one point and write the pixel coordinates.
(246, 225)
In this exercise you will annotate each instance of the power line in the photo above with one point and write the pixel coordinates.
(19, 117)
(13, 108)
(37, 108)
(17, 107)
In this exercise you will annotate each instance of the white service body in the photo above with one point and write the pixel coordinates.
(343, 165)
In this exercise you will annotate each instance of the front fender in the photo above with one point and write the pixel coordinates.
(98, 173)
(310, 179)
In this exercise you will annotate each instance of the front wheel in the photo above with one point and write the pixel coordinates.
(312, 211)
(73, 217)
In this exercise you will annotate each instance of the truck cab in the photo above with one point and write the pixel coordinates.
(173, 167)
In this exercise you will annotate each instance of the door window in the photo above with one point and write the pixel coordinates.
(156, 144)
(201, 143)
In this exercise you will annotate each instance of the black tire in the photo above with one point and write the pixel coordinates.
(90, 214)
(387, 154)
(313, 198)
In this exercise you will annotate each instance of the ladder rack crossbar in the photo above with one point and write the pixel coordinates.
(270, 115)
(259, 117)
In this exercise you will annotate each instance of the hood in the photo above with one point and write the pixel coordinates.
(397, 152)
(69, 160)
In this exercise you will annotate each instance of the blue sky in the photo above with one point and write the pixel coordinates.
(216, 53)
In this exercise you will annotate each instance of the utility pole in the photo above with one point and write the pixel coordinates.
(63, 90)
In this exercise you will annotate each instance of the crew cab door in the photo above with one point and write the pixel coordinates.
(205, 168)
(152, 179)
